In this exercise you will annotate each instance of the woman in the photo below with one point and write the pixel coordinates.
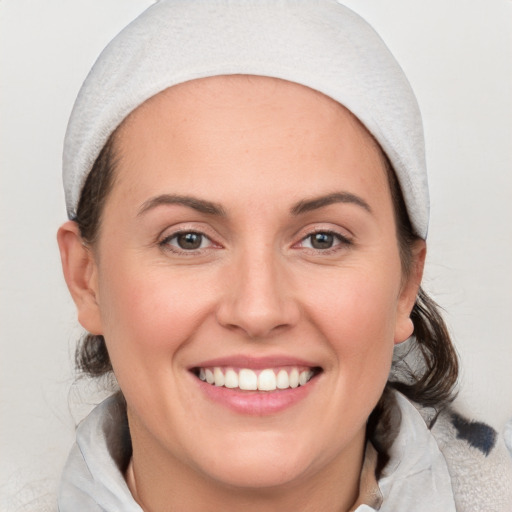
(248, 209)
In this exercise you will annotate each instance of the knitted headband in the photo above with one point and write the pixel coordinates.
(318, 43)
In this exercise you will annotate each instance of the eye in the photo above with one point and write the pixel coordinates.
(321, 240)
(187, 241)
(324, 240)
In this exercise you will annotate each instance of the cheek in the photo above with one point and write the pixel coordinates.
(356, 313)
(148, 312)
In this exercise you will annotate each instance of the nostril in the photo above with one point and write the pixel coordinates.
(257, 322)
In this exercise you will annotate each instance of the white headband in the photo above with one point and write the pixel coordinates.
(317, 43)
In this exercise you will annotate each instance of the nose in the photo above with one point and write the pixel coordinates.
(258, 297)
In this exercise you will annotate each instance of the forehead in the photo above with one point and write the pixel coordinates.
(229, 90)
(241, 93)
(245, 129)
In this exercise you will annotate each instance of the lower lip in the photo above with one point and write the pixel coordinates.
(256, 403)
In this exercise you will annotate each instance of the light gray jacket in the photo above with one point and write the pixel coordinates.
(455, 466)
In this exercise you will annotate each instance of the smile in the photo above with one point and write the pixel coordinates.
(268, 379)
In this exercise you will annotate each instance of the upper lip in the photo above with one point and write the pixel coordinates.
(255, 363)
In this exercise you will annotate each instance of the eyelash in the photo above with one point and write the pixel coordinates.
(342, 242)
(165, 243)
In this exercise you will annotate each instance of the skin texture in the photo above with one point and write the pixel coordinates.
(255, 147)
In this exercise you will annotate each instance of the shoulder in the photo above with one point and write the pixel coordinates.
(479, 464)
(455, 453)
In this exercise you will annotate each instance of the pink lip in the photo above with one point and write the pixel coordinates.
(255, 403)
(255, 363)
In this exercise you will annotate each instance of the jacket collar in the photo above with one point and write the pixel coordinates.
(415, 478)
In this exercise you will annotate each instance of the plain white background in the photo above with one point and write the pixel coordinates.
(458, 57)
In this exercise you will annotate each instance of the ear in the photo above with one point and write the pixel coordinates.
(80, 273)
(409, 291)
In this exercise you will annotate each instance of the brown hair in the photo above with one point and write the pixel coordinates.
(426, 374)
(91, 355)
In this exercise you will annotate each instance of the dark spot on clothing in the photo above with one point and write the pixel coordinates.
(478, 435)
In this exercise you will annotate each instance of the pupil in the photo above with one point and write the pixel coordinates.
(189, 240)
(322, 240)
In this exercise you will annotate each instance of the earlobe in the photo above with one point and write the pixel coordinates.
(80, 273)
(404, 326)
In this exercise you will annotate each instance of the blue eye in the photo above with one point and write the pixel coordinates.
(187, 241)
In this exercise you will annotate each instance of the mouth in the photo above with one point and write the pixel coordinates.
(262, 379)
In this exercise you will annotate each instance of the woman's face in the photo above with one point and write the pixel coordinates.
(250, 236)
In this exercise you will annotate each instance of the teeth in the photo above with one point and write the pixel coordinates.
(267, 380)
(304, 377)
(283, 381)
(209, 376)
(218, 376)
(294, 378)
(231, 379)
(249, 380)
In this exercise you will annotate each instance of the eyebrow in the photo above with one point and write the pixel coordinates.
(315, 203)
(211, 208)
(191, 202)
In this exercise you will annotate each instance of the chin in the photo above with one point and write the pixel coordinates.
(261, 461)
(259, 474)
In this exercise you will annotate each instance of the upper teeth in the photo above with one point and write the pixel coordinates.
(249, 380)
